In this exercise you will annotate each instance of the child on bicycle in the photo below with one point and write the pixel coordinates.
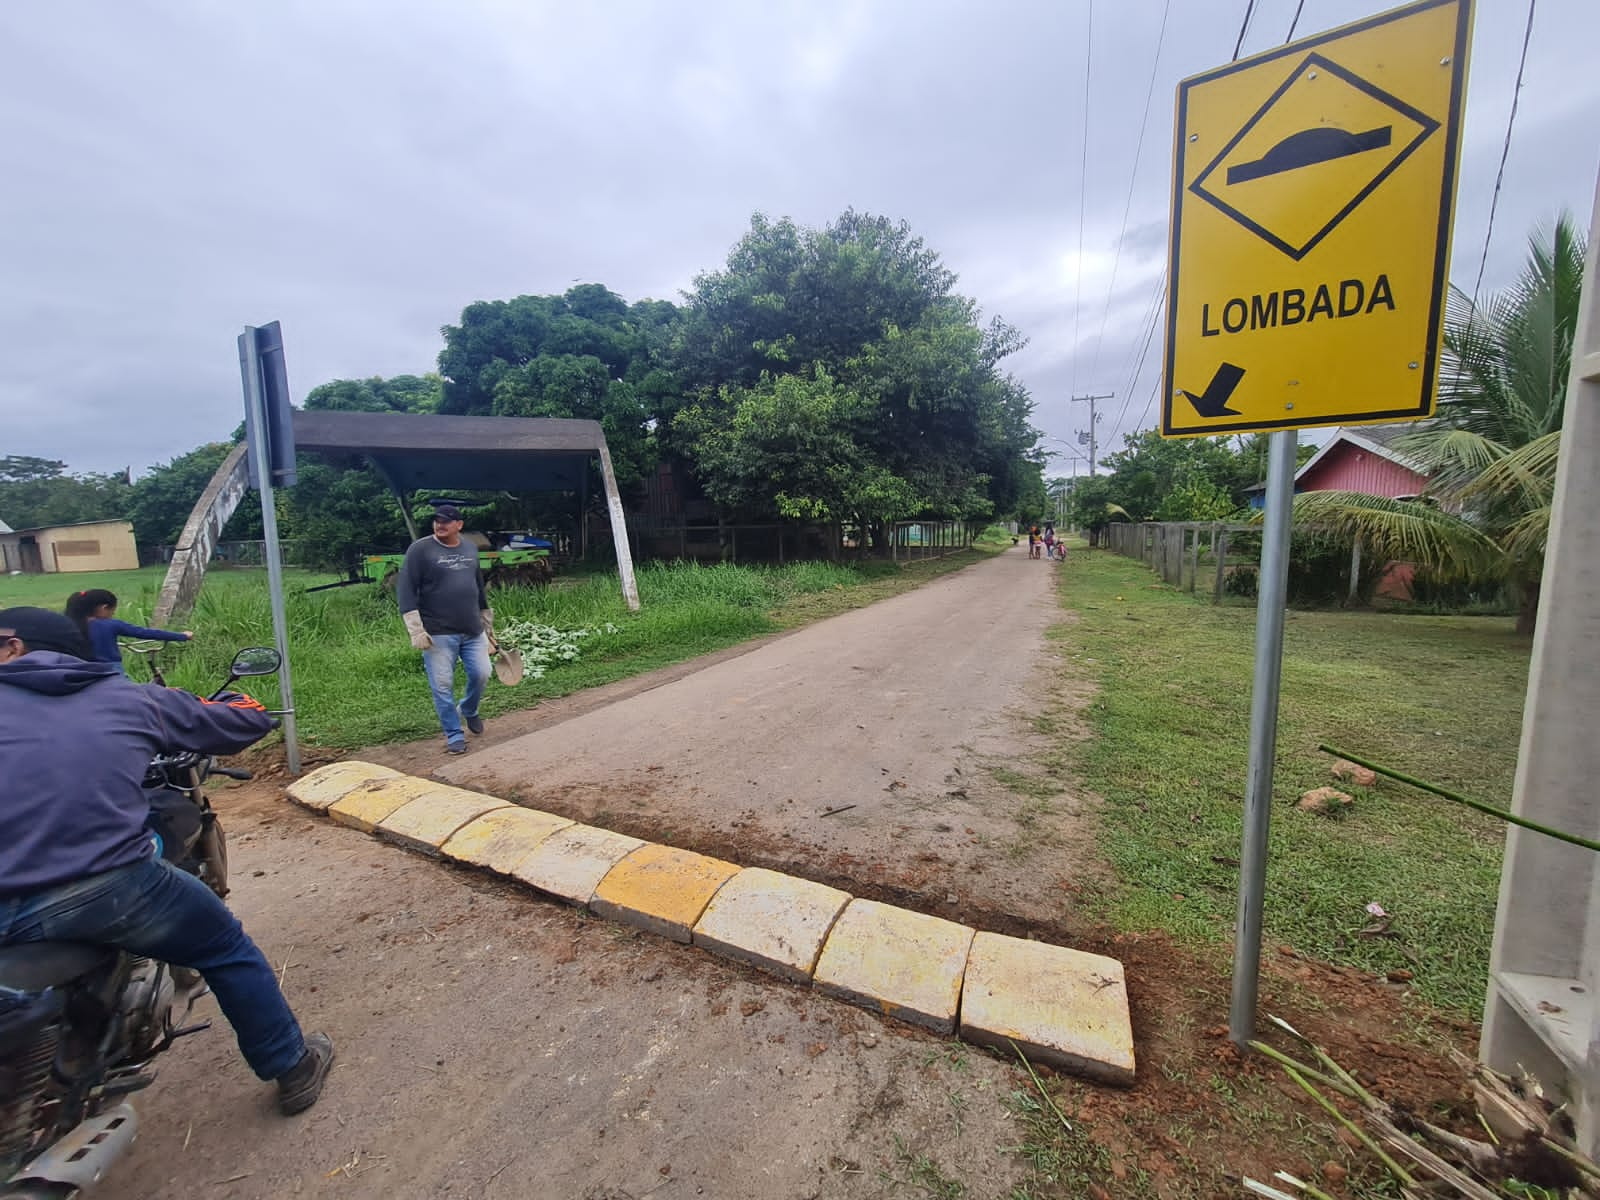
(93, 611)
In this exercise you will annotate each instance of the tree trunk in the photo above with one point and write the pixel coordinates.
(1528, 612)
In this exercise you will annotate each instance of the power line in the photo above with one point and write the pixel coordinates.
(1083, 195)
(1243, 28)
(1127, 206)
(1294, 24)
(1505, 150)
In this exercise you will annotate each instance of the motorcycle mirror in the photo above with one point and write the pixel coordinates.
(255, 660)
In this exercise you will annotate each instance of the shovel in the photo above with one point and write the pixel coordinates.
(507, 663)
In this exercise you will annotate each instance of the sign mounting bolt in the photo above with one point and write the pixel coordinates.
(1311, 74)
(1412, 365)
(1194, 137)
(1445, 61)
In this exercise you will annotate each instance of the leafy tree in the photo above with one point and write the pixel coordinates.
(40, 491)
(1491, 452)
(790, 443)
(866, 306)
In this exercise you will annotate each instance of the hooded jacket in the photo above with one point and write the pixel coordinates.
(75, 739)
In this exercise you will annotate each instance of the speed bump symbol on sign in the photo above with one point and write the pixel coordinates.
(1313, 192)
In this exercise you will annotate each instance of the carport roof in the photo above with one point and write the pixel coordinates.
(514, 454)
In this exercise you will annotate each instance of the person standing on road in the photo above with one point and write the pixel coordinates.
(447, 614)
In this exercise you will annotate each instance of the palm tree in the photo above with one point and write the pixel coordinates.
(1490, 452)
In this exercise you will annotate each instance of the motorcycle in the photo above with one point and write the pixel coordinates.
(81, 1024)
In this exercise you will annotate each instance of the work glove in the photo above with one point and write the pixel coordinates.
(419, 635)
(487, 617)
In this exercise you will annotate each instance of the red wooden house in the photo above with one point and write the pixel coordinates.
(1362, 459)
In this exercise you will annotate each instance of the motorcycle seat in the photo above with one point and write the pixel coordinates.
(34, 966)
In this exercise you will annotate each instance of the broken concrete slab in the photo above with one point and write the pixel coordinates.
(369, 803)
(572, 862)
(429, 821)
(661, 889)
(1064, 1007)
(503, 837)
(903, 964)
(319, 790)
(772, 921)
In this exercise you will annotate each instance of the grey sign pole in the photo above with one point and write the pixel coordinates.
(1270, 606)
(255, 405)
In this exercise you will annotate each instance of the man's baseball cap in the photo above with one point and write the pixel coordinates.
(446, 512)
(41, 629)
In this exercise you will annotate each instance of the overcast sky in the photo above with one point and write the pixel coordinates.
(174, 171)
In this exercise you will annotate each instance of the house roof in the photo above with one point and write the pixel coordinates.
(67, 525)
(1373, 438)
(514, 454)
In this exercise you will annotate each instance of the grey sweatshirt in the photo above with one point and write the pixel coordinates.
(444, 584)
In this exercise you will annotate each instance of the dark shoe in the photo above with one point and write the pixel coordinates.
(474, 722)
(455, 748)
(299, 1087)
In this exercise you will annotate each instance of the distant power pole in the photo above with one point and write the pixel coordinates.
(1093, 417)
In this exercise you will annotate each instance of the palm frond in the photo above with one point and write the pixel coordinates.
(1404, 531)
(1525, 542)
(1525, 477)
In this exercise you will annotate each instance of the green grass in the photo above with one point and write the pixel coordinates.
(1437, 697)
(358, 682)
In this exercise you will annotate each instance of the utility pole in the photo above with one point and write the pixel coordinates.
(1093, 417)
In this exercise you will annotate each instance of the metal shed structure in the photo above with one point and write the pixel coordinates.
(411, 452)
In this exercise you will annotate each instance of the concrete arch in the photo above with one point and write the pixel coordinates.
(200, 536)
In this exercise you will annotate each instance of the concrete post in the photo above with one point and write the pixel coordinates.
(1544, 973)
(1222, 566)
(1194, 561)
(619, 531)
(1355, 570)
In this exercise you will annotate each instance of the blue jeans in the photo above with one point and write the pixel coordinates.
(153, 909)
(440, 661)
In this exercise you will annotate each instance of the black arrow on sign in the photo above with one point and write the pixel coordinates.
(1215, 402)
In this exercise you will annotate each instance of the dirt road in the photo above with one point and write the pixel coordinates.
(492, 1044)
(495, 1045)
(875, 750)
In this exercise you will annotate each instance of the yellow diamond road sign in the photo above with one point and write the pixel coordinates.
(1313, 192)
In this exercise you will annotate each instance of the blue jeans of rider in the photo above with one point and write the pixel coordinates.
(440, 661)
(155, 910)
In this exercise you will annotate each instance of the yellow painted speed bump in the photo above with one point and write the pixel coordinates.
(570, 864)
(661, 889)
(771, 920)
(365, 806)
(501, 839)
(1062, 1007)
(326, 786)
(901, 963)
(428, 821)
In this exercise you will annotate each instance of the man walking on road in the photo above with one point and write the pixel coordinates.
(447, 614)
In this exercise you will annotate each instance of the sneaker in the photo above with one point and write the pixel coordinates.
(301, 1084)
(455, 748)
(474, 722)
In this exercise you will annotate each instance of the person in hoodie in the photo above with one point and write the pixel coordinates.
(77, 863)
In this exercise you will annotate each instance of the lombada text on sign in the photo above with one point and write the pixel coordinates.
(1292, 306)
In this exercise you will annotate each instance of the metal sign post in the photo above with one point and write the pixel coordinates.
(256, 425)
(1271, 603)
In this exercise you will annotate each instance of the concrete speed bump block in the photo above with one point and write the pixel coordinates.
(369, 803)
(1060, 1006)
(429, 821)
(903, 964)
(325, 786)
(571, 863)
(503, 837)
(661, 889)
(772, 921)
